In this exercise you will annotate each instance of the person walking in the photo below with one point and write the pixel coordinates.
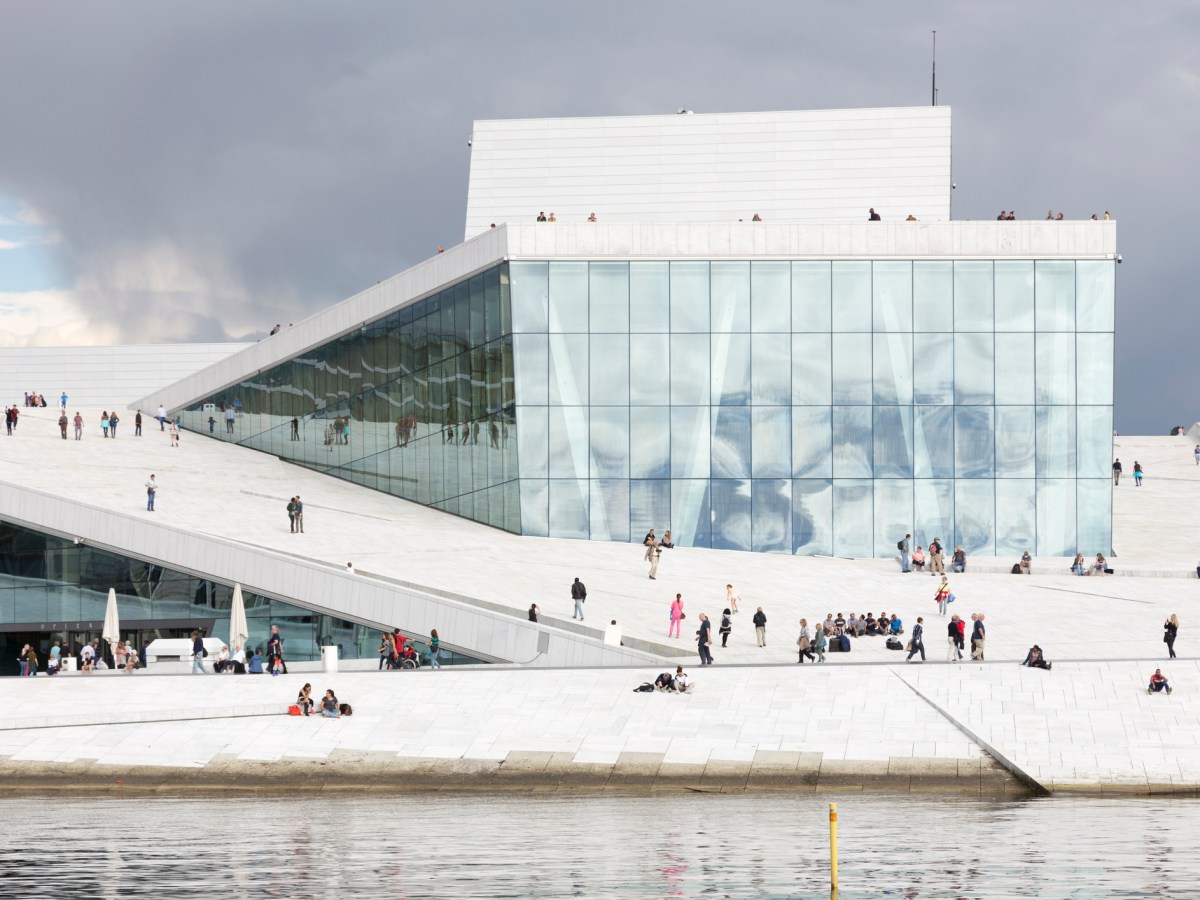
(726, 627)
(704, 641)
(113, 422)
(78, 427)
(1137, 474)
(435, 649)
(903, 546)
(676, 616)
(137, 424)
(1170, 630)
(820, 642)
(198, 654)
(760, 627)
(151, 490)
(62, 401)
(174, 432)
(161, 415)
(291, 511)
(937, 565)
(275, 649)
(916, 644)
(579, 595)
(653, 552)
(1116, 470)
(104, 422)
(62, 425)
(942, 597)
(953, 636)
(804, 642)
(978, 636)
(299, 514)
(296, 428)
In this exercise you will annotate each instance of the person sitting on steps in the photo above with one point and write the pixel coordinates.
(1035, 659)
(1158, 682)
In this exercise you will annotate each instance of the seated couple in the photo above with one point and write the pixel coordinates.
(330, 708)
(680, 683)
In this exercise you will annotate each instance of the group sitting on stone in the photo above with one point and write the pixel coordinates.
(679, 683)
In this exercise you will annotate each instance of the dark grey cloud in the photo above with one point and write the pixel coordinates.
(214, 168)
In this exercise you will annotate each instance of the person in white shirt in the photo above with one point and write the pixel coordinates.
(682, 684)
(161, 415)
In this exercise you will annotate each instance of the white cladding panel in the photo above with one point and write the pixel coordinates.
(812, 165)
(101, 376)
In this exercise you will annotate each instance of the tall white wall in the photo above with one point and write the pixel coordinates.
(810, 165)
(101, 376)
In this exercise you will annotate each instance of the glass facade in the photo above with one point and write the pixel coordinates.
(817, 407)
(418, 403)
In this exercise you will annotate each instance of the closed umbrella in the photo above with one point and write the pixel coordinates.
(112, 624)
(239, 633)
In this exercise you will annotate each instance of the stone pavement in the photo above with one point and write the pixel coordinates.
(211, 487)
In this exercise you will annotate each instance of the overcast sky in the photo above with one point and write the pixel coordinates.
(200, 171)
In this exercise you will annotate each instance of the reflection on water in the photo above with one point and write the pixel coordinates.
(677, 845)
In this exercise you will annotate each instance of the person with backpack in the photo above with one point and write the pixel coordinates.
(435, 649)
(726, 626)
(936, 564)
(916, 643)
(760, 627)
(903, 546)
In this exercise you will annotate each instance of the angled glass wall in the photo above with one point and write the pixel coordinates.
(419, 403)
(817, 407)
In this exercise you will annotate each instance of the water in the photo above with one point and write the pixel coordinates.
(677, 845)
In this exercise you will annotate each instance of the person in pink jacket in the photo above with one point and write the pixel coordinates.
(676, 615)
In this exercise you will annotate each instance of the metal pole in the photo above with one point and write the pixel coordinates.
(833, 873)
(933, 84)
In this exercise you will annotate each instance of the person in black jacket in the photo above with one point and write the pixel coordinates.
(704, 641)
(760, 627)
(275, 649)
(917, 643)
(578, 594)
(198, 654)
(1170, 630)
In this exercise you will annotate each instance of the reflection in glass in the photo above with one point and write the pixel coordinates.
(1094, 365)
(535, 507)
(892, 295)
(690, 441)
(893, 369)
(650, 507)
(610, 441)
(1056, 534)
(812, 369)
(1014, 368)
(1014, 294)
(1014, 442)
(1095, 436)
(650, 440)
(1016, 516)
(893, 512)
(649, 297)
(975, 517)
(853, 522)
(731, 514)
(772, 506)
(771, 442)
(973, 296)
(812, 441)
(689, 297)
(933, 383)
(692, 523)
(650, 369)
(569, 297)
(851, 371)
(893, 432)
(609, 510)
(609, 383)
(1055, 441)
(529, 290)
(852, 296)
(812, 294)
(730, 368)
(731, 442)
(770, 368)
(1054, 295)
(533, 441)
(933, 296)
(689, 369)
(852, 442)
(1095, 294)
(933, 441)
(1055, 368)
(770, 296)
(608, 291)
(933, 512)
(973, 442)
(730, 296)
(568, 442)
(974, 368)
(568, 369)
(812, 517)
(569, 508)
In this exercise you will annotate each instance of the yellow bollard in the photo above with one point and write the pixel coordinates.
(833, 878)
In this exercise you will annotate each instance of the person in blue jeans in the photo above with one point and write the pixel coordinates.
(917, 643)
(435, 649)
(329, 706)
(904, 547)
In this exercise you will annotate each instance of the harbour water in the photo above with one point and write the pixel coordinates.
(390, 845)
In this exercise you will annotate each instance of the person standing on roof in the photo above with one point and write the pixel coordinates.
(579, 595)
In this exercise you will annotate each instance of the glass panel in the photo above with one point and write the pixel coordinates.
(535, 507)
(934, 381)
(893, 369)
(1014, 368)
(650, 369)
(731, 442)
(893, 515)
(892, 296)
(730, 368)
(690, 441)
(569, 297)
(974, 369)
(812, 517)
(771, 442)
(1095, 515)
(933, 296)
(851, 374)
(973, 296)
(1054, 295)
(533, 441)
(1056, 519)
(530, 296)
(1094, 365)
(893, 430)
(1014, 442)
(770, 369)
(730, 296)
(1014, 295)
(852, 296)
(610, 369)
(812, 369)
(770, 297)
(731, 514)
(531, 357)
(610, 441)
(1016, 516)
(689, 297)
(852, 443)
(812, 295)
(975, 518)
(1055, 369)
(568, 369)
(689, 369)
(568, 442)
(649, 297)
(812, 441)
(973, 442)
(692, 523)
(650, 438)
(1056, 441)
(608, 301)
(569, 508)
(650, 507)
(610, 510)
(772, 530)
(1095, 454)
(933, 512)
(853, 518)
(1095, 294)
